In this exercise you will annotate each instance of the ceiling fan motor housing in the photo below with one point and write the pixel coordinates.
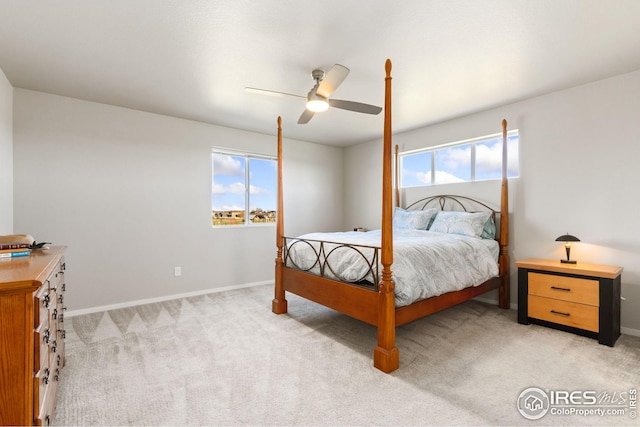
(317, 75)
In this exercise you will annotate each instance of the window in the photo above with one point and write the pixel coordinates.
(244, 189)
(477, 159)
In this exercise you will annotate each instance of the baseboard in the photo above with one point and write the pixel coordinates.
(163, 298)
(512, 306)
(630, 331)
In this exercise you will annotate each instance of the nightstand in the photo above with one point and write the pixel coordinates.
(580, 298)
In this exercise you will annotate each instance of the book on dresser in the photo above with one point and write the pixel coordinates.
(10, 253)
(13, 245)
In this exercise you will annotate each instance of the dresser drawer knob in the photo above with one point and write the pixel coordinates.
(556, 288)
(561, 313)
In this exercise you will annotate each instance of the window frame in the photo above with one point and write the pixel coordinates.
(247, 156)
(472, 158)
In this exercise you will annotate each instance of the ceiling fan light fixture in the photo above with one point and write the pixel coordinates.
(317, 105)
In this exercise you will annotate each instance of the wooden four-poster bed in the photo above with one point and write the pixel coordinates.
(371, 297)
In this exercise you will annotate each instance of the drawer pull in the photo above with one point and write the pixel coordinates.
(560, 313)
(556, 288)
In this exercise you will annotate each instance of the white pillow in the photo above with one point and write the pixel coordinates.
(464, 223)
(416, 220)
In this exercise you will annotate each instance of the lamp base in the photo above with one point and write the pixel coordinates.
(566, 261)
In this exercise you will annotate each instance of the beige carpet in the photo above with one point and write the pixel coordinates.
(225, 359)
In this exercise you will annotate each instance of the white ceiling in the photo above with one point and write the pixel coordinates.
(192, 59)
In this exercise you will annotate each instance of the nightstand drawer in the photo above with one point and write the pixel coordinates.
(573, 289)
(564, 312)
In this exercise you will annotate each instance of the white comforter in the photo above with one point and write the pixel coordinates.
(425, 263)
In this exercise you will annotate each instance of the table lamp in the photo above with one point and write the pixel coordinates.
(567, 238)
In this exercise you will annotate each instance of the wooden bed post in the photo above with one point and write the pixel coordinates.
(279, 303)
(503, 296)
(386, 356)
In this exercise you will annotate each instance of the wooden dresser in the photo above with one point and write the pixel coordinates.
(31, 335)
(581, 298)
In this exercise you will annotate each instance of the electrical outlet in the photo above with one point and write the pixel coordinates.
(177, 271)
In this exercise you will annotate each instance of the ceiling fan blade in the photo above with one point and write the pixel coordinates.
(305, 117)
(271, 92)
(332, 79)
(355, 106)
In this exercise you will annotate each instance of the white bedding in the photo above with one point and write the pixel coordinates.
(425, 263)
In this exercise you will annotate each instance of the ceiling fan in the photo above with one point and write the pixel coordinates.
(318, 97)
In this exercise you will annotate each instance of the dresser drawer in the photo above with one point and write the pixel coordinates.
(46, 401)
(42, 337)
(566, 313)
(41, 304)
(572, 289)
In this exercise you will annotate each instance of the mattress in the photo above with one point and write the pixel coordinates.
(425, 263)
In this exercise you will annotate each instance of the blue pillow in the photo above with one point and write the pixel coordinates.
(415, 220)
(465, 223)
(489, 229)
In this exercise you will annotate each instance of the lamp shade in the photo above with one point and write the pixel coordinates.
(567, 238)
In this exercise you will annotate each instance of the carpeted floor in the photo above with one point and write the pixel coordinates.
(225, 359)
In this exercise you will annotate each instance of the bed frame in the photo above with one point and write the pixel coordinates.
(376, 306)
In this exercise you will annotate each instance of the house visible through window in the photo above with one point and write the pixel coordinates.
(476, 159)
(244, 189)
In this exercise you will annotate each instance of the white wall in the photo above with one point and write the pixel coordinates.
(6, 155)
(579, 157)
(129, 193)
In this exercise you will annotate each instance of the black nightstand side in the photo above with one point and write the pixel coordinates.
(523, 296)
(609, 283)
(609, 311)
